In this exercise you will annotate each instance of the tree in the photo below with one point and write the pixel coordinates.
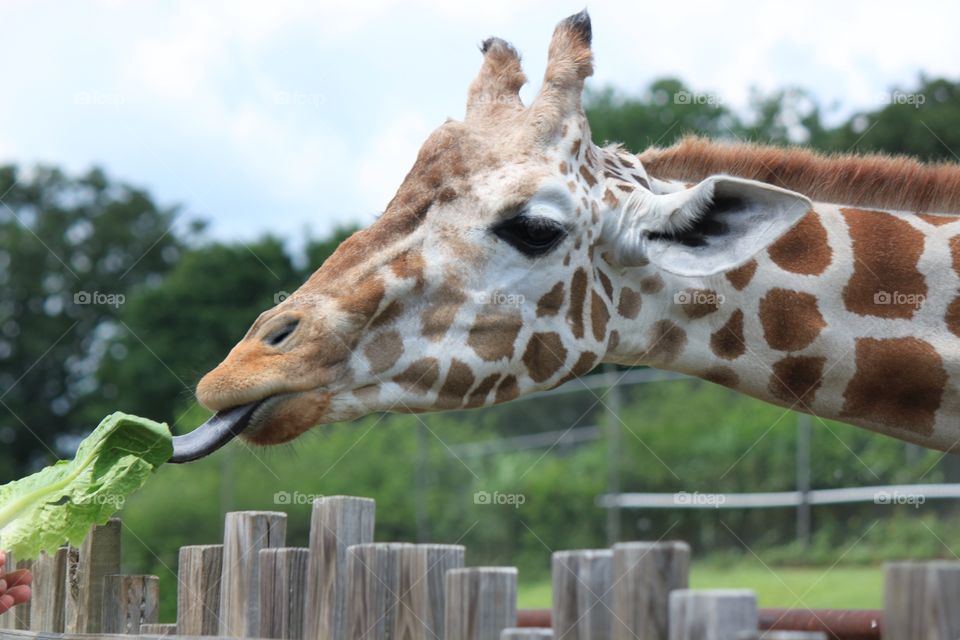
(71, 249)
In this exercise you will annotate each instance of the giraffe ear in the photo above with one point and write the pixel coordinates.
(569, 63)
(497, 87)
(715, 226)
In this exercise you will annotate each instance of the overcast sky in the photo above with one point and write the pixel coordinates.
(282, 116)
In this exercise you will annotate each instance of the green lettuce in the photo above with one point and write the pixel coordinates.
(63, 501)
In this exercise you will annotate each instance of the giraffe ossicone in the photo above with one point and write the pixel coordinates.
(517, 255)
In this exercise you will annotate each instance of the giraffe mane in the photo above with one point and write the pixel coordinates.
(882, 181)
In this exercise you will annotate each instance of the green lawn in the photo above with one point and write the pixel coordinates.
(840, 587)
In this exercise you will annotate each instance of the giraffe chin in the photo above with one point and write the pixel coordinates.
(281, 418)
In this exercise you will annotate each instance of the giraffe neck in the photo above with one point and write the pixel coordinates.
(853, 315)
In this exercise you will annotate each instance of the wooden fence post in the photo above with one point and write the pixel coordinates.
(920, 600)
(582, 594)
(422, 596)
(97, 557)
(245, 533)
(336, 523)
(644, 574)
(373, 587)
(283, 582)
(198, 593)
(22, 612)
(128, 602)
(49, 581)
(712, 614)
(481, 602)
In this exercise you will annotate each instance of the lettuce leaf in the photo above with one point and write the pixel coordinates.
(63, 501)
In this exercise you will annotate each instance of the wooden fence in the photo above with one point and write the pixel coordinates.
(344, 586)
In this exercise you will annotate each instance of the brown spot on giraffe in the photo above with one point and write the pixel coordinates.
(420, 376)
(804, 249)
(723, 376)
(456, 385)
(796, 379)
(575, 148)
(599, 316)
(885, 281)
(578, 297)
(899, 382)
(549, 303)
(479, 395)
(728, 342)
(610, 200)
(544, 355)
(630, 302)
(409, 264)
(443, 307)
(937, 220)
(613, 340)
(955, 253)
(389, 313)
(651, 284)
(605, 283)
(364, 299)
(507, 389)
(740, 277)
(493, 334)
(584, 364)
(790, 319)
(697, 303)
(953, 317)
(587, 176)
(666, 341)
(383, 351)
(564, 168)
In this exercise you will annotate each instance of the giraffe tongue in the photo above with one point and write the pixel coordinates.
(212, 434)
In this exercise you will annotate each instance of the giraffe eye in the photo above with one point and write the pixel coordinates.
(530, 236)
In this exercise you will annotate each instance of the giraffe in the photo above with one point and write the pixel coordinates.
(517, 255)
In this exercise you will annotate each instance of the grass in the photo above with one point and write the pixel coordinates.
(845, 587)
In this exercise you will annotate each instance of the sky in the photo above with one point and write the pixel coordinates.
(293, 117)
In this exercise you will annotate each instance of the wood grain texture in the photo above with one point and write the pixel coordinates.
(644, 574)
(283, 584)
(49, 583)
(128, 602)
(481, 602)
(22, 612)
(782, 635)
(97, 557)
(527, 633)
(712, 614)
(336, 523)
(157, 629)
(373, 588)
(582, 594)
(245, 533)
(421, 597)
(920, 600)
(198, 593)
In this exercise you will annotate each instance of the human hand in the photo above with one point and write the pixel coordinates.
(14, 586)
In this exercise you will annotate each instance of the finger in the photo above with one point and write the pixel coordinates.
(3, 586)
(3, 558)
(20, 594)
(6, 601)
(20, 576)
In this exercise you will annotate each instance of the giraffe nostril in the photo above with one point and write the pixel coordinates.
(276, 337)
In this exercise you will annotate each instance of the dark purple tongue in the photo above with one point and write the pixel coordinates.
(220, 429)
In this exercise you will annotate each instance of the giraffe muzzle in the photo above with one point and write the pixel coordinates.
(220, 429)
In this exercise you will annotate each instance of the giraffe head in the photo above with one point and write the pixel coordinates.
(490, 274)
